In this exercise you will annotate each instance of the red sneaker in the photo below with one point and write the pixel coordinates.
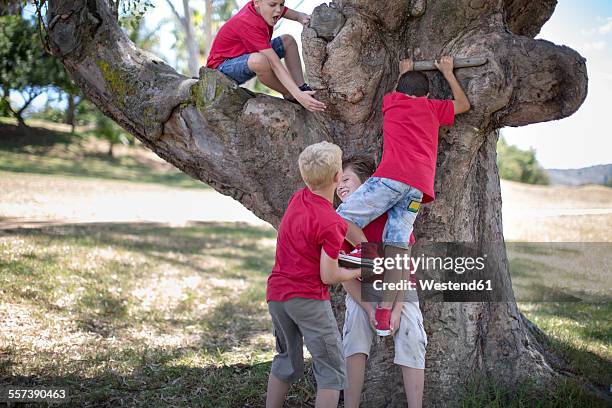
(354, 259)
(383, 321)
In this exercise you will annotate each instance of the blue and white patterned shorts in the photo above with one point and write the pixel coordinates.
(378, 195)
(238, 68)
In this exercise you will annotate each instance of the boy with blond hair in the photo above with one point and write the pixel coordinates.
(310, 236)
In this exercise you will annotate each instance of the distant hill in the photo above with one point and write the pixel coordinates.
(600, 174)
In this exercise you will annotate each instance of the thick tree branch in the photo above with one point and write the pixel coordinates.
(548, 82)
(526, 17)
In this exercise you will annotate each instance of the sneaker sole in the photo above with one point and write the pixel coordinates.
(383, 333)
(355, 262)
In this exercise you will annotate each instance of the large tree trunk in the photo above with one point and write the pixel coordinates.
(246, 145)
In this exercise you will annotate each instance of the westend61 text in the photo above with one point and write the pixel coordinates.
(475, 285)
(459, 265)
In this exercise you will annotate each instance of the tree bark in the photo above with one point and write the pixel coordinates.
(246, 145)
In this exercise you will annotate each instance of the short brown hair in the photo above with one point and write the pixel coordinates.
(413, 83)
(319, 163)
(362, 165)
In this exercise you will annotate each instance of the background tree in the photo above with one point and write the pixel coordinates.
(106, 129)
(11, 7)
(25, 67)
(185, 21)
(195, 28)
(246, 145)
(519, 165)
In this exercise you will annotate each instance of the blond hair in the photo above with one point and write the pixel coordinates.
(319, 163)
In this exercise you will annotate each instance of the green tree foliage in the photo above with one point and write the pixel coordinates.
(519, 165)
(102, 127)
(25, 67)
(77, 110)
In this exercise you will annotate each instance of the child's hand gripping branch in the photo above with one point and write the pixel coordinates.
(405, 65)
(460, 102)
(302, 18)
(274, 74)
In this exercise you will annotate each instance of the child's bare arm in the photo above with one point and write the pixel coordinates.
(405, 65)
(331, 273)
(353, 288)
(303, 97)
(461, 102)
(301, 18)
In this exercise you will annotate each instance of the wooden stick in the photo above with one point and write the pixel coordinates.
(458, 63)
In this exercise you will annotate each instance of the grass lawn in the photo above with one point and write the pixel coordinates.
(146, 315)
(139, 314)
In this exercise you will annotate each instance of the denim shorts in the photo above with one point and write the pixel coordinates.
(380, 195)
(238, 68)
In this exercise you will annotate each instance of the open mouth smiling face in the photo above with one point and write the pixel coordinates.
(348, 184)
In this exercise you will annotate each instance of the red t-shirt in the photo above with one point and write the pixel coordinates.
(309, 224)
(410, 136)
(374, 233)
(245, 33)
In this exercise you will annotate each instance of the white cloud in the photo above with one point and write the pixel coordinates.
(606, 28)
(595, 46)
(599, 29)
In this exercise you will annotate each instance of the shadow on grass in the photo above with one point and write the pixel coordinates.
(203, 373)
(481, 391)
(14, 138)
(571, 329)
(157, 238)
(536, 281)
(160, 379)
(30, 150)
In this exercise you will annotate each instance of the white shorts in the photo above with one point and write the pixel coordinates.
(410, 339)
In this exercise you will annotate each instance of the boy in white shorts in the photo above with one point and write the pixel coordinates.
(359, 324)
